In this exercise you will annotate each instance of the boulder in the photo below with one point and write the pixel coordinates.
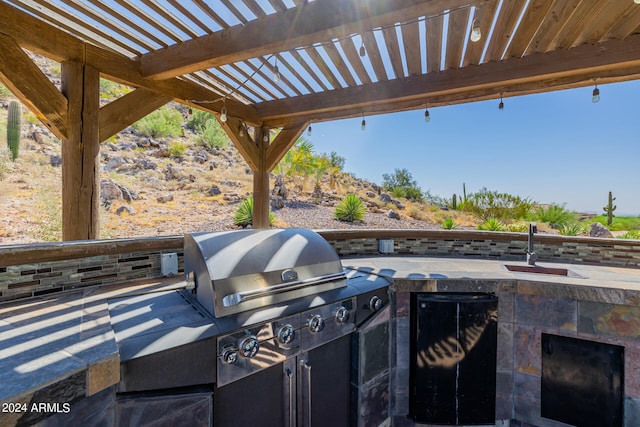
(214, 191)
(384, 197)
(392, 214)
(109, 191)
(125, 209)
(164, 199)
(599, 230)
(55, 160)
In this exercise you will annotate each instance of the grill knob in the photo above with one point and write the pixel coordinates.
(286, 334)
(249, 346)
(376, 303)
(342, 315)
(230, 356)
(316, 323)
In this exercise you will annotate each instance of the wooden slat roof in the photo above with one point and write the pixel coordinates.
(418, 52)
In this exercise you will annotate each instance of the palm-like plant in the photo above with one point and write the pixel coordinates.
(243, 216)
(449, 224)
(350, 209)
(492, 224)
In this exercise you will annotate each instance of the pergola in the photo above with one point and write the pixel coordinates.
(334, 59)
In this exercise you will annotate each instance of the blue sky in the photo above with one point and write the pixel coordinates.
(557, 147)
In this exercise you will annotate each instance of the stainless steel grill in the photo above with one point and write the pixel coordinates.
(237, 271)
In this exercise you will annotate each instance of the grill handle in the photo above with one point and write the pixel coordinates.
(238, 297)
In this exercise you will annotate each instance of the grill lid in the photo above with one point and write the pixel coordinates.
(236, 271)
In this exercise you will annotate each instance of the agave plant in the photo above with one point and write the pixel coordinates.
(449, 224)
(244, 214)
(492, 224)
(571, 230)
(350, 209)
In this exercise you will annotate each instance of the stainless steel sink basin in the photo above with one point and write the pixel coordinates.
(554, 271)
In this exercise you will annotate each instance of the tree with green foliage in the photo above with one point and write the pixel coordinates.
(487, 205)
(402, 184)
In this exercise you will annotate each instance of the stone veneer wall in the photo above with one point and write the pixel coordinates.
(30, 270)
(525, 311)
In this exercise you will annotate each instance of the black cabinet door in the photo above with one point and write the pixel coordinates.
(254, 401)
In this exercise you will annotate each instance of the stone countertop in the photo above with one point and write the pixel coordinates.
(60, 348)
(415, 267)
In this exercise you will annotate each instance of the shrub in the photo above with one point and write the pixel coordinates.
(402, 184)
(487, 205)
(177, 148)
(631, 234)
(518, 227)
(449, 224)
(244, 214)
(574, 229)
(492, 224)
(164, 122)
(350, 209)
(213, 135)
(4, 92)
(557, 216)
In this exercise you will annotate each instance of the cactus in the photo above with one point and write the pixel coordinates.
(464, 193)
(14, 122)
(454, 202)
(609, 209)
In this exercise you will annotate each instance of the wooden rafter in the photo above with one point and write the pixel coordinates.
(25, 80)
(614, 59)
(316, 21)
(283, 142)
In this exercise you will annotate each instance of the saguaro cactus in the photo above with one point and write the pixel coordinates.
(609, 209)
(454, 202)
(14, 122)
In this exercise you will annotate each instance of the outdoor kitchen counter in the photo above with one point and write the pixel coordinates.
(60, 348)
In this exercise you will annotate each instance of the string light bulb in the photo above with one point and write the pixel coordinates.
(309, 131)
(476, 32)
(363, 125)
(363, 50)
(427, 117)
(501, 105)
(595, 97)
(636, 1)
(241, 130)
(190, 113)
(265, 136)
(276, 72)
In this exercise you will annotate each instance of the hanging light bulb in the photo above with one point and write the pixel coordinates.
(363, 50)
(190, 113)
(596, 93)
(241, 130)
(427, 118)
(501, 105)
(223, 114)
(363, 125)
(276, 72)
(636, 1)
(265, 136)
(309, 131)
(476, 33)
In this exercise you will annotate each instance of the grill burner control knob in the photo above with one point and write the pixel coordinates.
(230, 356)
(376, 303)
(316, 323)
(342, 315)
(249, 346)
(286, 334)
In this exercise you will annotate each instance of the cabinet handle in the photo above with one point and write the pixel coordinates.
(292, 402)
(307, 368)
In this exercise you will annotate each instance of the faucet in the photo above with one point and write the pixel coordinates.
(531, 255)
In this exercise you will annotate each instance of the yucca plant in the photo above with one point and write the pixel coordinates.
(449, 224)
(350, 209)
(492, 224)
(518, 227)
(244, 214)
(571, 230)
(631, 234)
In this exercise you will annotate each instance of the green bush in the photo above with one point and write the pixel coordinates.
(177, 148)
(164, 122)
(213, 135)
(620, 223)
(402, 184)
(350, 209)
(556, 216)
(449, 224)
(518, 227)
(492, 224)
(574, 229)
(243, 216)
(631, 234)
(487, 205)
(4, 92)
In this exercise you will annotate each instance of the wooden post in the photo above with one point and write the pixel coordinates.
(261, 181)
(80, 153)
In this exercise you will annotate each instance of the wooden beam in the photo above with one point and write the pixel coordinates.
(611, 59)
(128, 109)
(283, 142)
(261, 181)
(39, 37)
(26, 81)
(296, 27)
(81, 153)
(242, 140)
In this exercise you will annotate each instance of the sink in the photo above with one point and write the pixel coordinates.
(542, 270)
